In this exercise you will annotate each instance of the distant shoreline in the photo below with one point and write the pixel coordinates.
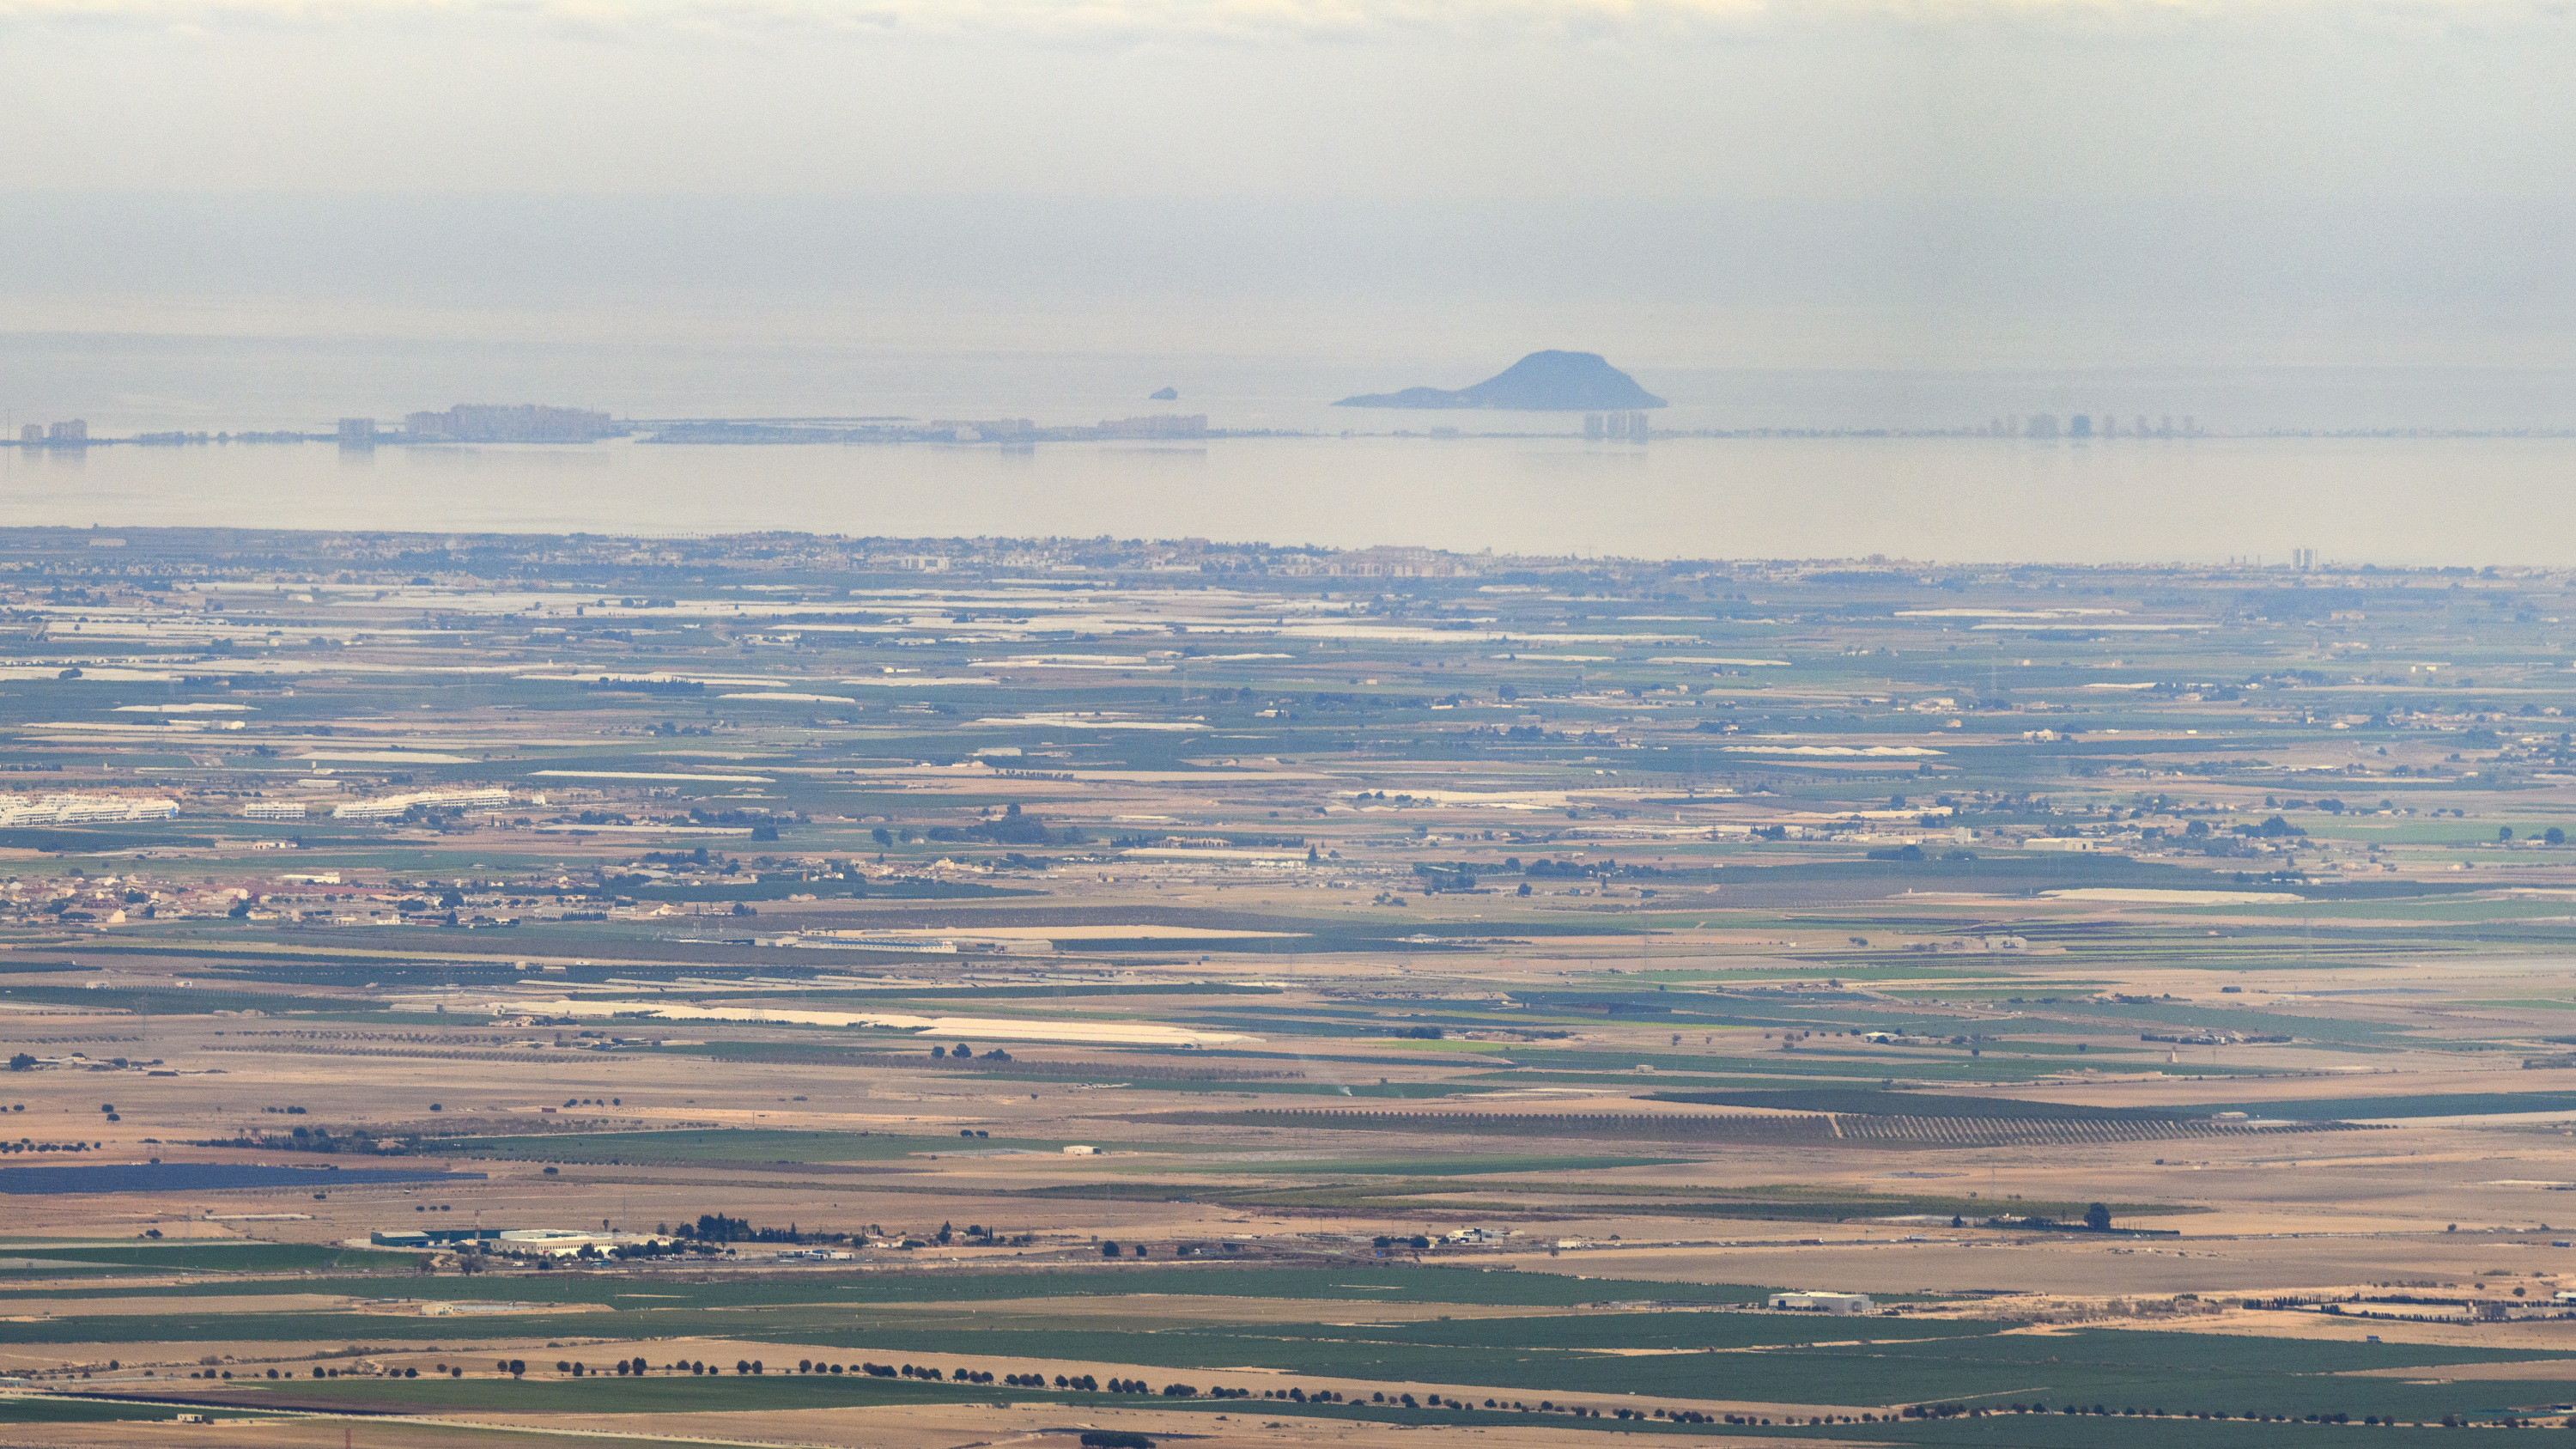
(769, 437)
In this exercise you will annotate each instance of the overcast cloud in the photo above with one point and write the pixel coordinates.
(1708, 183)
(1498, 98)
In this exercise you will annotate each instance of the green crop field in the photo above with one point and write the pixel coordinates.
(2429, 1104)
(188, 1257)
(1461, 1165)
(1627, 1356)
(35, 1409)
(1386, 1282)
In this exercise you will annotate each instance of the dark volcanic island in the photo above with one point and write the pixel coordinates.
(1543, 382)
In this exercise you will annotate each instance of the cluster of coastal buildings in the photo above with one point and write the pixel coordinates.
(537, 423)
(85, 809)
(463, 423)
(2090, 425)
(74, 808)
(545, 1242)
(386, 807)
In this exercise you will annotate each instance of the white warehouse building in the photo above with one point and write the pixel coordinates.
(388, 806)
(1815, 1302)
(84, 809)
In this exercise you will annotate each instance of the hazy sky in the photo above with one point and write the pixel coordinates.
(1681, 182)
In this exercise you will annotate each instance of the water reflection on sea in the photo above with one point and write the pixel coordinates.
(2387, 500)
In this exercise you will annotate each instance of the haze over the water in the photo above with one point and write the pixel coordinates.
(239, 213)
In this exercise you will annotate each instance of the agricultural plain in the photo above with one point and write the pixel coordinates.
(832, 991)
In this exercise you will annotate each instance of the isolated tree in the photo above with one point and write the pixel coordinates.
(2098, 1218)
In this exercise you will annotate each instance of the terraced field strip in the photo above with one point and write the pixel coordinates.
(2014, 1131)
(1816, 1130)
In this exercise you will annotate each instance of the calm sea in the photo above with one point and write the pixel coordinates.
(2409, 500)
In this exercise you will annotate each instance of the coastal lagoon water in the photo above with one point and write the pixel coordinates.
(2387, 501)
(1529, 484)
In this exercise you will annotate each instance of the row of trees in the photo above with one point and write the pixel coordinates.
(722, 1228)
(964, 1053)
